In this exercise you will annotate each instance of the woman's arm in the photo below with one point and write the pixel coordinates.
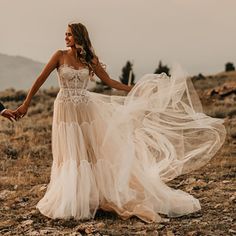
(102, 74)
(51, 65)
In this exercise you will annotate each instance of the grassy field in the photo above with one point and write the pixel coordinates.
(25, 164)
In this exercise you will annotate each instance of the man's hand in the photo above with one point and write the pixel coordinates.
(9, 114)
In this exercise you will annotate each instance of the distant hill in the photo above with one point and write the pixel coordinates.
(228, 74)
(19, 72)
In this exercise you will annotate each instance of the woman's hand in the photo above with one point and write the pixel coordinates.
(21, 111)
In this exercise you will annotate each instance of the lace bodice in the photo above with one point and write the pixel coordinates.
(73, 84)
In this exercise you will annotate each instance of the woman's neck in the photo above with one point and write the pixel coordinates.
(73, 52)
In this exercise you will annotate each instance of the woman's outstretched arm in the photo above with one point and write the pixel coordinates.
(102, 74)
(51, 65)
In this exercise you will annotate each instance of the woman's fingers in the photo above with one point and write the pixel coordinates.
(18, 113)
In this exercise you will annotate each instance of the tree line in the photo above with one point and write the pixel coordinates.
(128, 73)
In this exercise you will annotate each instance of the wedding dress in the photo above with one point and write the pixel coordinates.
(117, 153)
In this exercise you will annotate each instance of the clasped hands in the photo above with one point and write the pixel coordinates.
(16, 114)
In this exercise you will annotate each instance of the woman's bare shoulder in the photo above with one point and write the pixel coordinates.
(59, 56)
(60, 52)
(95, 61)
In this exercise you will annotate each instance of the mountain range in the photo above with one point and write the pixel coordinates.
(20, 73)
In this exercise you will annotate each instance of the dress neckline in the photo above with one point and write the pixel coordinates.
(72, 67)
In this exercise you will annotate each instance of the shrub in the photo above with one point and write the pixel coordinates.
(229, 66)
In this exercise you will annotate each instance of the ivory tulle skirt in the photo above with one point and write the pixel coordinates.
(117, 153)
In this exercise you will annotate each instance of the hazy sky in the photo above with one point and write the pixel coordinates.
(199, 34)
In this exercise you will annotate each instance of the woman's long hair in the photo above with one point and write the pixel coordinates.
(83, 44)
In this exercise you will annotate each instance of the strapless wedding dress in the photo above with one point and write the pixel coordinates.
(117, 153)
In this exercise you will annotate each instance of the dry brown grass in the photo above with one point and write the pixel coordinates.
(25, 164)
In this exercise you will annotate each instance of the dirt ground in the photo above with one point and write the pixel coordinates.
(25, 164)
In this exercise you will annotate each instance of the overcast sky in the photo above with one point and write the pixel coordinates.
(198, 34)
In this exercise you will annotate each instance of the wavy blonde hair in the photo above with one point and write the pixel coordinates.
(83, 44)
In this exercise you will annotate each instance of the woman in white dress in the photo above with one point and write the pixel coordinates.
(117, 153)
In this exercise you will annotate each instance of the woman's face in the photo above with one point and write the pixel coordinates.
(70, 42)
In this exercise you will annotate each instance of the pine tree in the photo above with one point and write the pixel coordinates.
(162, 68)
(124, 78)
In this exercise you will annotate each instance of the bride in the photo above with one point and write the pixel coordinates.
(117, 153)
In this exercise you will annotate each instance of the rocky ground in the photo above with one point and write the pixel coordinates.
(25, 163)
